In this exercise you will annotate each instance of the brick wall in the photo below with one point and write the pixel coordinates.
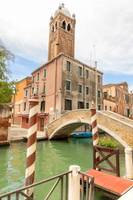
(4, 123)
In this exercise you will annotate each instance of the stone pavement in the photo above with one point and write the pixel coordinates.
(15, 133)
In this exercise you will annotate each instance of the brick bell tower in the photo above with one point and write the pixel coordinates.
(61, 33)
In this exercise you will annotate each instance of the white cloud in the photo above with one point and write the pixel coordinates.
(24, 27)
(130, 87)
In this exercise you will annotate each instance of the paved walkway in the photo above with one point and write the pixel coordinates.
(16, 133)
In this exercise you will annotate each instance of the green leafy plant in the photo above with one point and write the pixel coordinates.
(5, 57)
(6, 91)
(108, 142)
(6, 87)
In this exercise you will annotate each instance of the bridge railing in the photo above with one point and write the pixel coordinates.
(62, 188)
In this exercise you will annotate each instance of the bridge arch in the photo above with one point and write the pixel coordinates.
(120, 129)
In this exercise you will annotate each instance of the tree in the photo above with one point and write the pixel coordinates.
(6, 91)
(6, 87)
(5, 57)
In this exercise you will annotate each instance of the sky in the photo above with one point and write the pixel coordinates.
(104, 32)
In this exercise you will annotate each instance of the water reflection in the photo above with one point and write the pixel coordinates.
(53, 157)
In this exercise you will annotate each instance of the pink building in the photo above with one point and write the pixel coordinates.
(117, 98)
(63, 83)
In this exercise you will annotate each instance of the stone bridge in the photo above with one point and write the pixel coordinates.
(117, 126)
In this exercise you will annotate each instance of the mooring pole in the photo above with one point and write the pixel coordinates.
(129, 162)
(74, 183)
(31, 145)
(95, 135)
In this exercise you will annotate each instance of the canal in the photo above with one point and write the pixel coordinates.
(53, 157)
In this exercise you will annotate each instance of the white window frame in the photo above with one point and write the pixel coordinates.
(70, 85)
(81, 87)
(85, 90)
(79, 71)
(87, 70)
(69, 66)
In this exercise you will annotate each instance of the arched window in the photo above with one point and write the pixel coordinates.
(68, 27)
(55, 25)
(64, 25)
(52, 28)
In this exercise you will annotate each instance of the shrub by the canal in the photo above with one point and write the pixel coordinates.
(108, 142)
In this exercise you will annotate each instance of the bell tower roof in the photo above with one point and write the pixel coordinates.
(63, 10)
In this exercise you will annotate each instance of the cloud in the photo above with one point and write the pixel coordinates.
(24, 28)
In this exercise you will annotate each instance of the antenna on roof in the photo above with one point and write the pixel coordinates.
(94, 52)
(90, 57)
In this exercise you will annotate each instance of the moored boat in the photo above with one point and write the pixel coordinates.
(81, 134)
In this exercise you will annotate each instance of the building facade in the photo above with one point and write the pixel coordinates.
(117, 98)
(63, 83)
(18, 105)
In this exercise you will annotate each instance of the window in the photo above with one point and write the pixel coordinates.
(98, 93)
(87, 90)
(127, 98)
(110, 108)
(68, 27)
(52, 28)
(64, 25)
(80, 71)
(68, 104)
(99, 107)
(56, 25)
(32, 90)
(26, 93)
(68, 66)
(37, 76)
(105, 94)
(99, 78)
(105, 107)
(27, 120)
(68, 85)
(87, 73)
(24, 106)
(80, 88)
(42, 108)
(45, 73)
(44, 89)
(80, 105)
(87, 105)
(37, 89)
(33, 79)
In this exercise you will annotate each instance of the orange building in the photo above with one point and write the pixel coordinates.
(117, 98)
(18, 97)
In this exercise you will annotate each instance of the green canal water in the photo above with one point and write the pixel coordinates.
(53, 157)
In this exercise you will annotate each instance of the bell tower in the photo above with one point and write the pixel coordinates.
(61, 33)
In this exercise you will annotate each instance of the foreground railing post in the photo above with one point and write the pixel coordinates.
(74, 183)
(129, 162)
(31, 145)
(91, 191)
